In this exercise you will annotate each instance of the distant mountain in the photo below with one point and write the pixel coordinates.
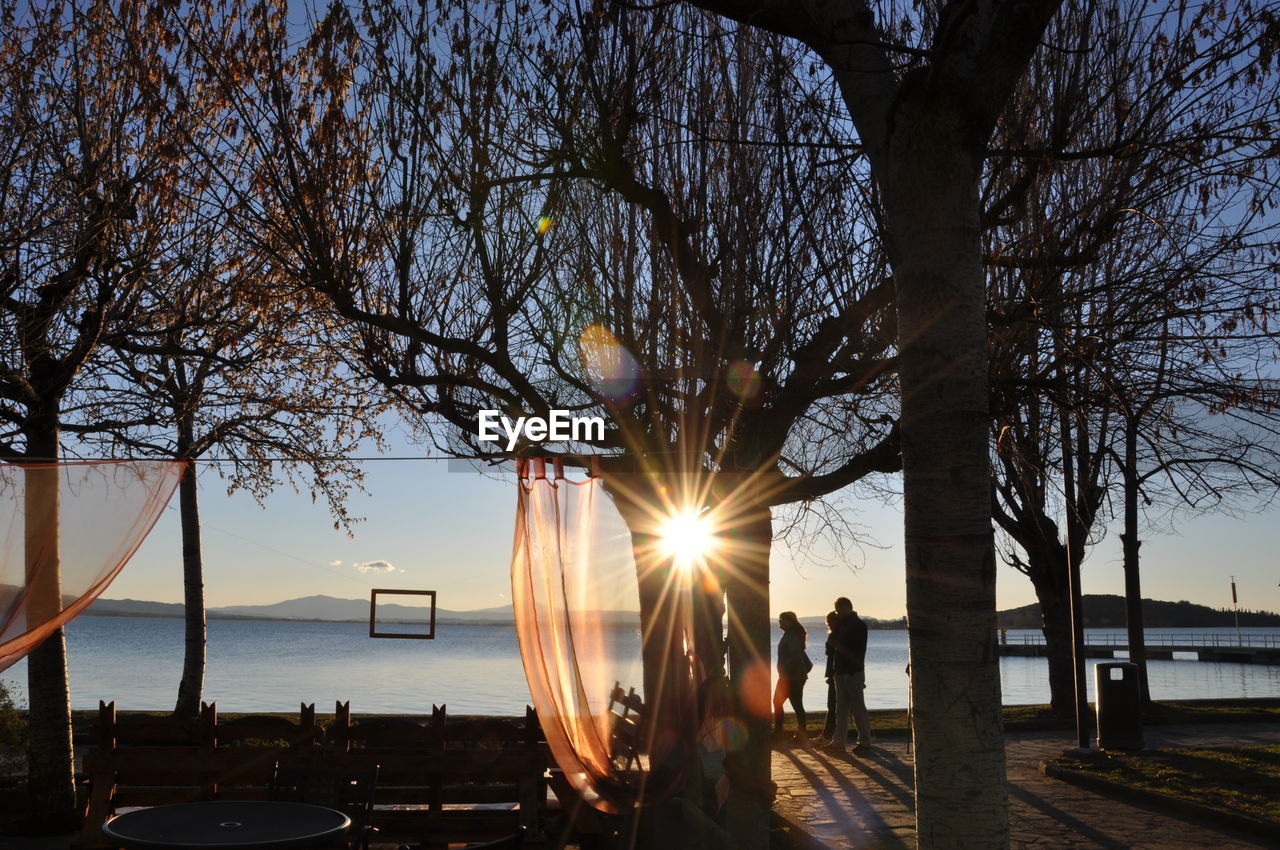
(305, 608)
(133, 608)
(1106, 611)
(818, 625)
(1101, 611)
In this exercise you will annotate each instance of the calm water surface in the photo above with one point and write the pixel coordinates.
(259, 665)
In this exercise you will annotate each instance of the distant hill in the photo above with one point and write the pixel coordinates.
(818, 625)
(133, 608)
(1106, 611)
(1101, 611)
(305, 608)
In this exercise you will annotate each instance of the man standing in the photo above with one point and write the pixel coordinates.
(849, 671)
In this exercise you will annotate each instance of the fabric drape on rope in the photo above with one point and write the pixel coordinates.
(69, 528)
(576, 595)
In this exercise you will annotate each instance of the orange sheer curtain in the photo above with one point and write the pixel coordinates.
(575, 594)
(68, 530)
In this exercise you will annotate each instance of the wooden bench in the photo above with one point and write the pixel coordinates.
(450, 780)
(440, 781)
(625, 710)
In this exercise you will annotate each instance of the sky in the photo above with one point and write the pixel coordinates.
(431, 526)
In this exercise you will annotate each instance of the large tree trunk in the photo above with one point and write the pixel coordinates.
(747, 583)
(661, 650)
(1047, 569)
(192, 683)
(931, 203)
(50, 760)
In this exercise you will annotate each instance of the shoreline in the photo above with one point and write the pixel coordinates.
(1030, 717)
(872, 624)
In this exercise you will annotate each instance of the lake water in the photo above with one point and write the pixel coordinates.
(259, 665)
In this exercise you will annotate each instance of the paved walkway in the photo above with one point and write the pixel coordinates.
(866, 802)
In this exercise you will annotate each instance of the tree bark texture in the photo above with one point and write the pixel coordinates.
(930, 192)
(51, 766)
(191, 686)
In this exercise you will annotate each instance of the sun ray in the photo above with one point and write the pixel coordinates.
(687, 537)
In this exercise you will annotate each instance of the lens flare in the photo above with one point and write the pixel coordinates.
(687, 537)
(744, 380)
(612, 370)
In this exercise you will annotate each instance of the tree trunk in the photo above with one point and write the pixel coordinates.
(50, 760)
(747, 584)
(1130, 542)
(1047, 569)
(662, 650)
(931, 204)
(192, 683)
(1075, 552)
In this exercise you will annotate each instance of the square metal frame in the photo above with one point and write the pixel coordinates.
(373, 613)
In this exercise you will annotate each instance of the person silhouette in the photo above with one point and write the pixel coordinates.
(793, 670)
(828, 728)
(849, 672)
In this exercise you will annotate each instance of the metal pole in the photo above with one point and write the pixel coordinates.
(1235, 605)
(1077, 646)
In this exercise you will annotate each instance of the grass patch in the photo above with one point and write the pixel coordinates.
(1215, 711)
(1239, 780)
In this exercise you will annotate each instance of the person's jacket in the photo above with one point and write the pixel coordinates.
(850, 645)
(791, 657)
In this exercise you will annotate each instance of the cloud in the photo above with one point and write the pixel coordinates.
(335, 563)
(377, 567)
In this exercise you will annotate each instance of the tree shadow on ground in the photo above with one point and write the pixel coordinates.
(903, 788)
(844, 804)
(1078, 826)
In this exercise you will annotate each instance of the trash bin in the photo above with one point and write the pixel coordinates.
(1119, 703)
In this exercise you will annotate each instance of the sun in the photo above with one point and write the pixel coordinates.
(687, 537)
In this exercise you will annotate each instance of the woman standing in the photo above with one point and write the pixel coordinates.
(793, 669)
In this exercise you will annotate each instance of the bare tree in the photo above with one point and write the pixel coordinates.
(924, 92)
(1126, 239)
(89, 177)
(201, 368)
(492, 230)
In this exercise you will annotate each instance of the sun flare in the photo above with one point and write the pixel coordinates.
(687, 537)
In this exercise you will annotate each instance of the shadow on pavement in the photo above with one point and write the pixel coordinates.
(845, 807)
(1075, 824)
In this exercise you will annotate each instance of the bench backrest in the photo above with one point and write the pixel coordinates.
(451, 779)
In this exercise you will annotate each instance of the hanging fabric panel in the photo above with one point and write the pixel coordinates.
(576, 599)
(68, 530)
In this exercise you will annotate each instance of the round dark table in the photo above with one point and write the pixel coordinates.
(227, 825)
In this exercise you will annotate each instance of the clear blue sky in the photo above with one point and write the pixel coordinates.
(451, 532)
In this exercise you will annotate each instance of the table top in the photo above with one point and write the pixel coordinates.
(227, 824)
